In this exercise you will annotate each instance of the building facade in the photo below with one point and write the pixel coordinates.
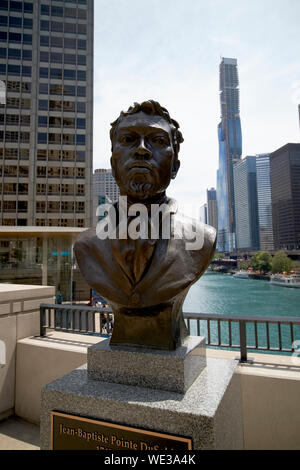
(264, 201)
(230, 151)
(246, 207)
(285, 188)
(212, 208)
(46, 122)
(104, 184)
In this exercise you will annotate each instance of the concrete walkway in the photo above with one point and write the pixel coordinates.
(16, 434)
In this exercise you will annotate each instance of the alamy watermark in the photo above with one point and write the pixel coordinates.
(2, 353)
(139, 222)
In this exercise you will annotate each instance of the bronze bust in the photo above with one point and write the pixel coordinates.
(145, 270)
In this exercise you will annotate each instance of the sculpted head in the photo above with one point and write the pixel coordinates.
(145, 145)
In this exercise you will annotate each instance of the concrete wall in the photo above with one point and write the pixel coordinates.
(19, 318)
(42, 360)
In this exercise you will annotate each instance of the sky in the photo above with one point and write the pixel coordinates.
(169, 51)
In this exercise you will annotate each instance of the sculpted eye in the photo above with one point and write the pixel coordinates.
(160, 140)
(127, 139)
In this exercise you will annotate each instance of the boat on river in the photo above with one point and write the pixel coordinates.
(284, 280)
(241, 274)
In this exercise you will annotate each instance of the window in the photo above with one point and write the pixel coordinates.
(10, 119)
(68, 139)
(11, 136)
(56, 41)
(80, 206)
(40, 206)
(81, 75)
(42, 137)
(44, 56)
(3, 20)
(69, 74)
(15, 22)
(56, 57)
(80, 123)
(28, 7)
(80, 139)
(57, 11)
(44, 72)
(54, 121)
(3, 69)
(81, 91)
(14, 37)
(70, 12)
(54, 155)
(45, 10)
(13, 69)
(80, 107)
(54, 172)
(43, 89)
(43, 105)
(27, 54)
(81, 29)
(81, 44)
(15, 6)
(69, 90)
(55, 73)
(25, 120)
(41, 154)
(44, 25)
(42, 121)
(41, 171)
(54, 138)
(70, 28)
(14, 53)
(3, 36)
(70, 43)
(69, 122)
(22, 206)
(81, 60)
(9, 206)
(27, 23)
(26, 87)
(24, 137)
(70, 59)
(40, 188)
(68, 155)
(55, 89)
(57, 27)
(44, 40)
(27, 38)
(80, 190)
(3, 53)
(23, 188)
(24, 154)
(80, 172)
(55, 105)
(67, 172)
(26, 71)
(82, 14)
(4, 5)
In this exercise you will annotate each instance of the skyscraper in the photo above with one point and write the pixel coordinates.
(104, 184)
(212, 208)
(46, 64)
(230, 151)
(246, 208)
(264, 201)
(285, 187)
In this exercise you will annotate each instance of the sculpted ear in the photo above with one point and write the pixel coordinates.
(175, 168)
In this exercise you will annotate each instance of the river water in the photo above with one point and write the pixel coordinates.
(224, 294)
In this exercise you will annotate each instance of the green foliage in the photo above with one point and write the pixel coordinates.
(244, 266)
(218, 255)
(261, 261)
(296, 265)
(281, 262)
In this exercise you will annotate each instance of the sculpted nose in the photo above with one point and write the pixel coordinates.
(143, 149)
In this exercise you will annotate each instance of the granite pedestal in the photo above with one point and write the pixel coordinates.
(208, 412)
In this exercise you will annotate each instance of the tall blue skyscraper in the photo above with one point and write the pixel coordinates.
(264, 201)
(230, 151)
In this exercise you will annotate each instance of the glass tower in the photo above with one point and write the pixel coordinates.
(46, 119)
(246, 208)
(264, 201)
(230, 151)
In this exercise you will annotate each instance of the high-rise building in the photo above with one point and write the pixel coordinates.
(264, 201)
(203, 214)
(46, 123)
(230, 151)
(104, 184)
(212, 208)
(285, 188)
(246, 208)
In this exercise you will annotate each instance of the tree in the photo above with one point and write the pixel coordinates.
(261, 261)
(281, 262)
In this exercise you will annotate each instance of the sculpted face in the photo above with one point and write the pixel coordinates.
(143, 158)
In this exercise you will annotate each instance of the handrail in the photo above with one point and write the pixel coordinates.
(83, 319)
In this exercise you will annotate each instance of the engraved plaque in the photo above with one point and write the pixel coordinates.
(69, 432)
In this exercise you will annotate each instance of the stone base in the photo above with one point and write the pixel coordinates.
(209, 412)
(174, 371)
